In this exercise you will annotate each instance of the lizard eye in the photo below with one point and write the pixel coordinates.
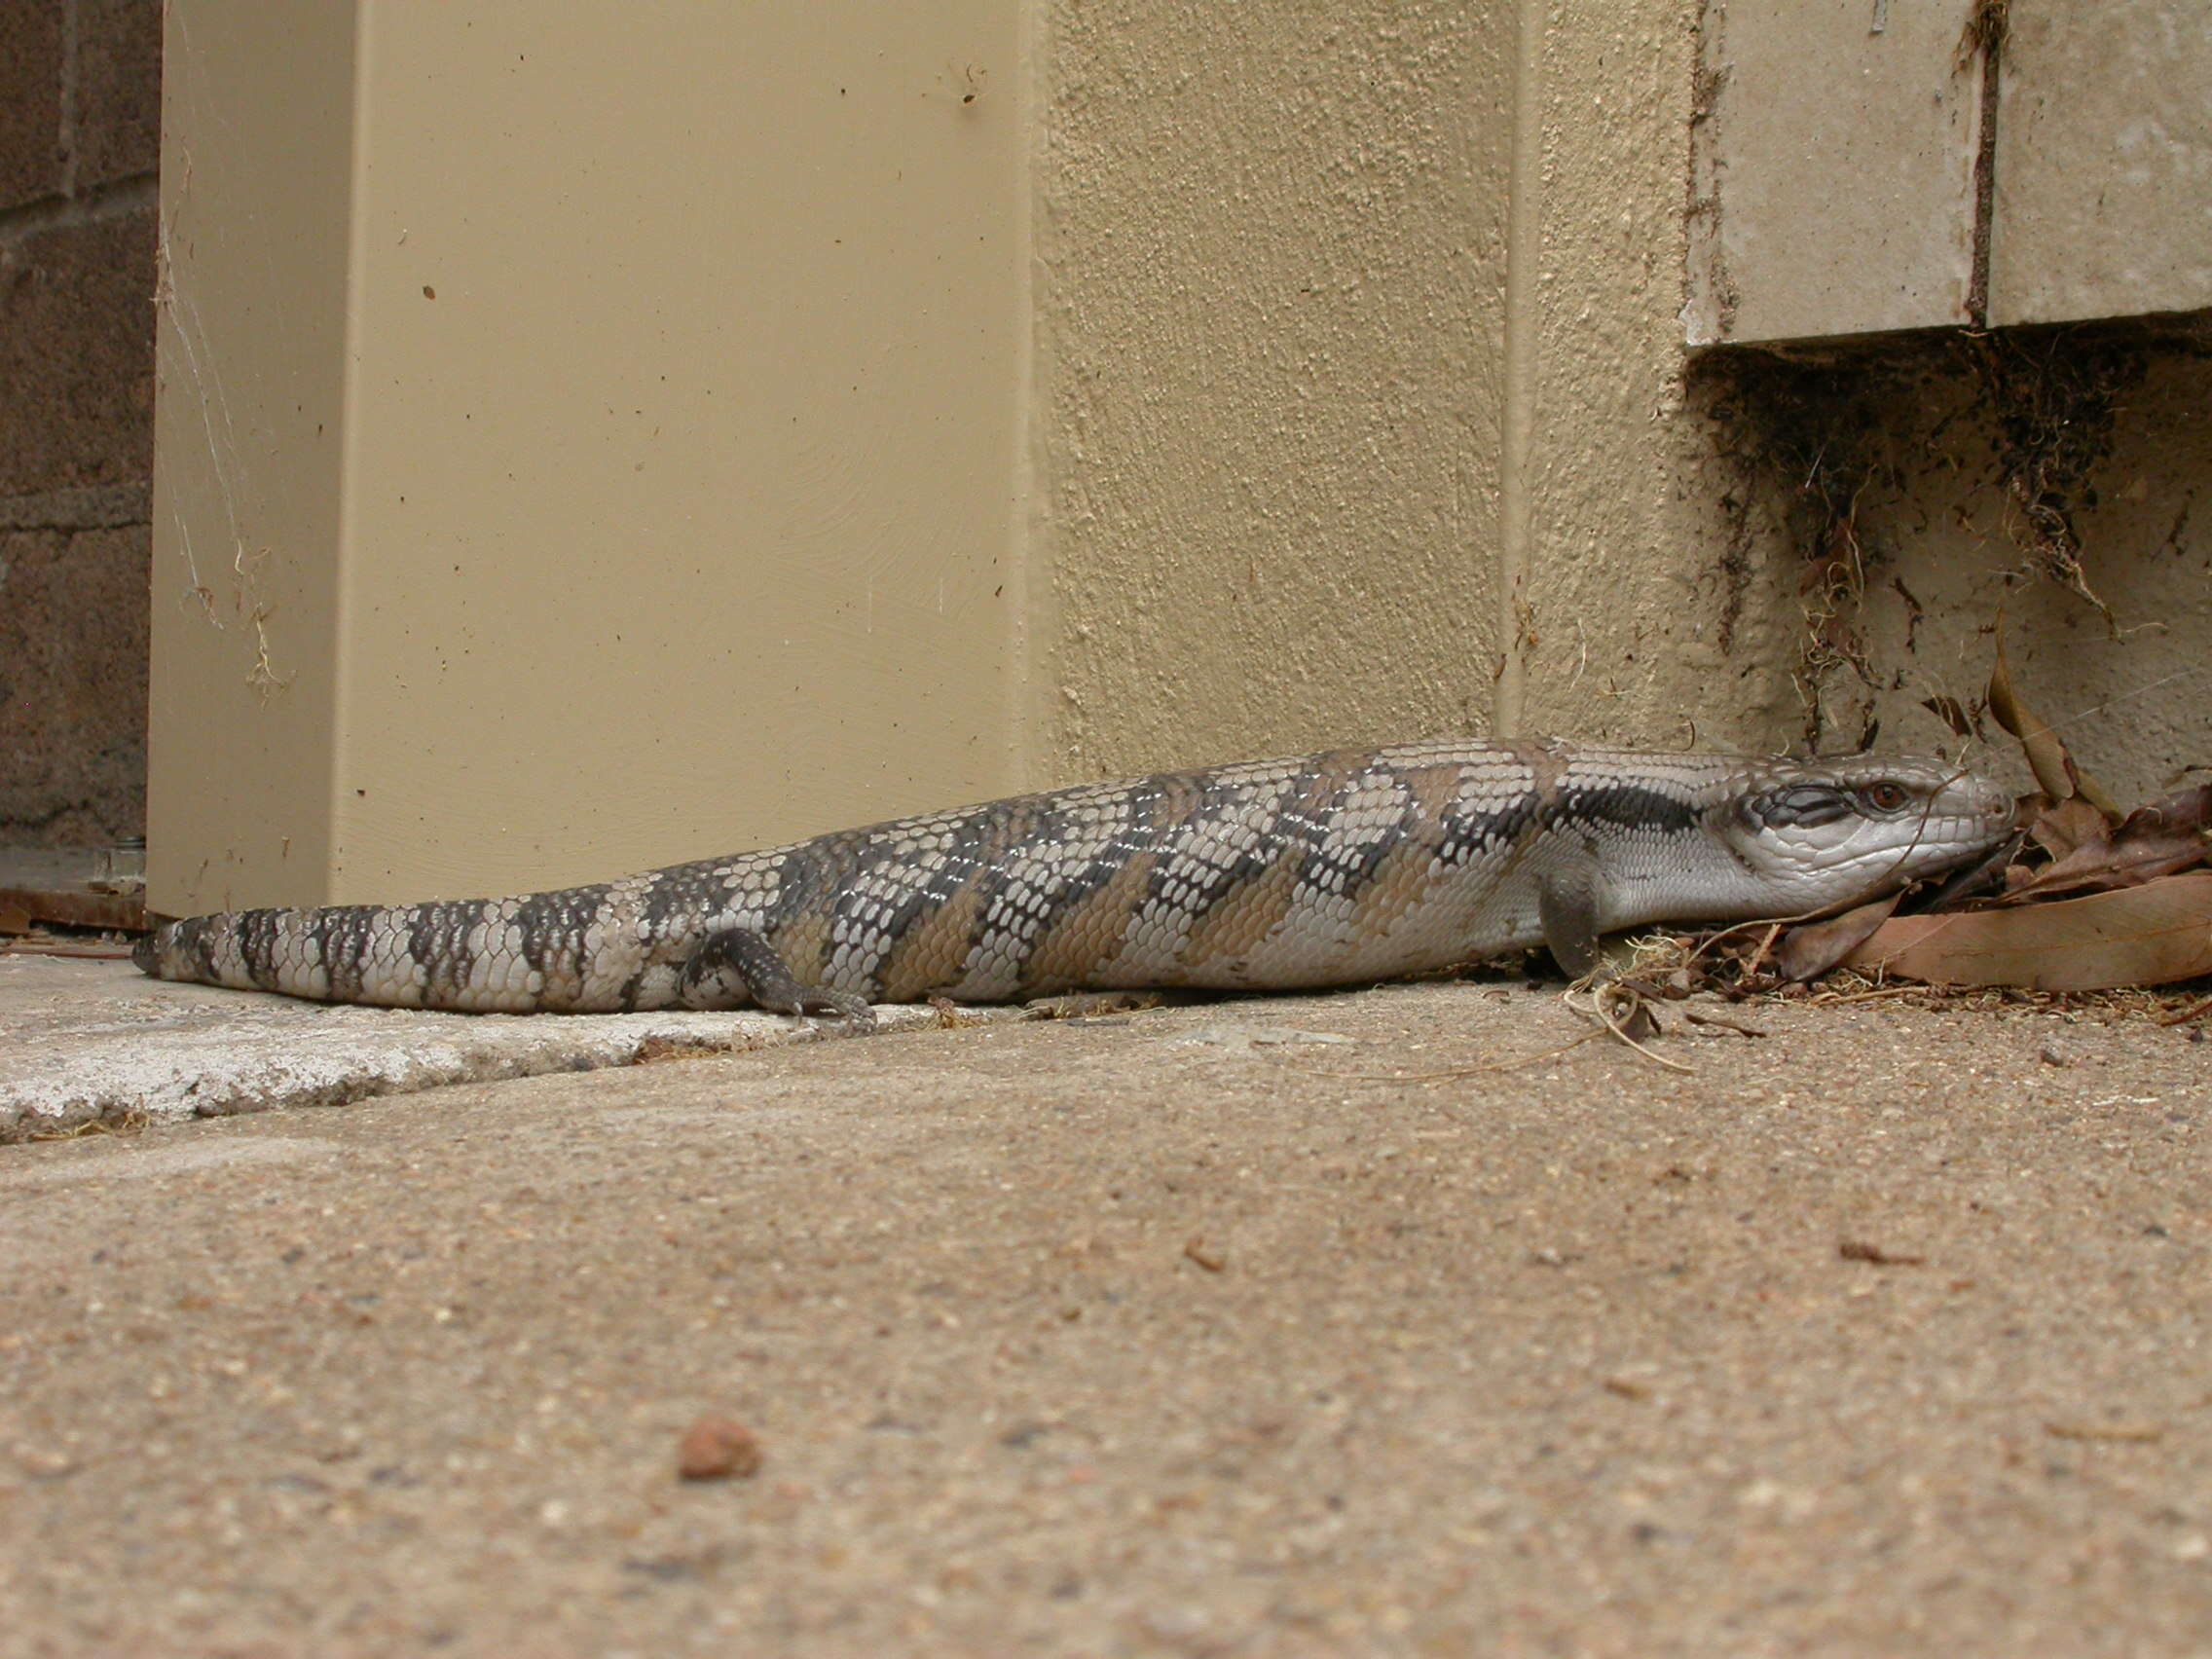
(1886, 795)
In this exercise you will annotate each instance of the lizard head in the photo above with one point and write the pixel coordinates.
(1832, 830)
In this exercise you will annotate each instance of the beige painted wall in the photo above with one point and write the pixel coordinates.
(599, 431)
(1639, 614)
(1362, 400)
(687, 438)
(1270, 316)
(249, 414)
(694, 510)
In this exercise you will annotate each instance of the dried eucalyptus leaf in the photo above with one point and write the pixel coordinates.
(2057, 775)
(1807, 953)
(2151, 935)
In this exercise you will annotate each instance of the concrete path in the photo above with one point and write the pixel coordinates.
(1273, 1327)
(90, 1043)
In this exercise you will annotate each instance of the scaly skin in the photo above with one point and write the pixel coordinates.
(1337, 868)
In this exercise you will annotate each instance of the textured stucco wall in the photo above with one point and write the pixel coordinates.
(1270, 276)
(1639, 614)
(1361, 388)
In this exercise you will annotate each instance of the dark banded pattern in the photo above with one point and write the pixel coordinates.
(1334, 868)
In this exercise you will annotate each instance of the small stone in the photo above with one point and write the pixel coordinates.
(718, 1448)
(44, 1464)
(1207, 1256)
(2056, 1054)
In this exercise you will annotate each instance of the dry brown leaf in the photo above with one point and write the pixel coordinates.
(2151, 935)
(1985, 875)
(1953, 713)
(1809, 951)
(2103, 864)
(2183, 811)
(2162, 838)
(2062, 828)
(2055, 772)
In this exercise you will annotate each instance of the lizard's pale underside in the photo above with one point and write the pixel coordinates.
(1329, 869)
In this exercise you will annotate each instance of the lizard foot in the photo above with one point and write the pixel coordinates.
(765, 979)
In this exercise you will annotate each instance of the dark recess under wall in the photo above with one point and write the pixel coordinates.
(1815, 426)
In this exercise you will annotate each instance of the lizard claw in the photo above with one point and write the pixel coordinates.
(843, 1007)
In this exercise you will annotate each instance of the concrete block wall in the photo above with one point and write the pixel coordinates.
(80, 110)
(1944, 165)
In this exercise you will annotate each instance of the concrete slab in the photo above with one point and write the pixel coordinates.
(98, 1042)
(2104, 162)
(1389, 1323)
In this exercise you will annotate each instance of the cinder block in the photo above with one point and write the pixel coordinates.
(1833, 154)
(30, 102)
(2104, 162)
(77, 357)
(73, 650)
(119, 89)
